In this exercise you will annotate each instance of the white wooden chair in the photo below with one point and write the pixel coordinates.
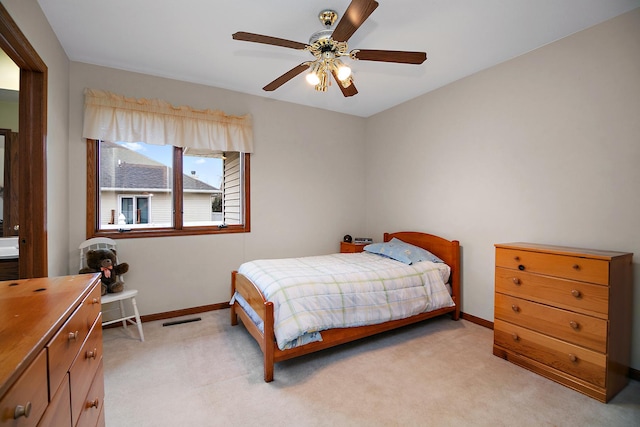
(120, 297)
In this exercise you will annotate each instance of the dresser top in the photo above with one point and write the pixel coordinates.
(31, 312)
(564, 250)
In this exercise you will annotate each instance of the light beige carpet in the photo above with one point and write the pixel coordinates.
(437, 373)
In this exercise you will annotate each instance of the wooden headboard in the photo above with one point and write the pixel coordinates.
(446, 250)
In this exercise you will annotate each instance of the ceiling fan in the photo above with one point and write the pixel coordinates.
(328, 46)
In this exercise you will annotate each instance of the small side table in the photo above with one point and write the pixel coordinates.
(350, 248)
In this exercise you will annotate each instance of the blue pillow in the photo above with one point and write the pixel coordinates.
(402, 251)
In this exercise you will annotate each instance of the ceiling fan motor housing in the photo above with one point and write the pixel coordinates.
(320, 35)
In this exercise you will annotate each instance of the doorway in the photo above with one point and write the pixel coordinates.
(32, 236)
(9, 170)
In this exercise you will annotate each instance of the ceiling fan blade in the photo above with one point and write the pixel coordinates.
(403, 57)
(286, 77)
(346, 91)
(258, 38)
(355, 15)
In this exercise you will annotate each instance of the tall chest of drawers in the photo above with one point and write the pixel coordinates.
(51, 352)
(565, 313)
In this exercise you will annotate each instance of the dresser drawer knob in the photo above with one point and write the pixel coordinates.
(22, 411)
(576, 267)
(94, 404)
(95, 301)
(515, 308)
(576, 293)
(516, 281)
(521, 267)
(515, 337)
(92, 354)
(73, 336)
(573, 357)
(574, 325)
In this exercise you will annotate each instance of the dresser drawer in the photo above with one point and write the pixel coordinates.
(566, 325)
(572, 359)
(350, 248)
(28, 396)
(65, 345)
(582, 297)
(84, 368)
(101, 420)
(564, 266)
(92, 409)
(58, 413)
(91, 305)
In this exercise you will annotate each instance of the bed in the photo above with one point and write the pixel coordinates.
(260, 315)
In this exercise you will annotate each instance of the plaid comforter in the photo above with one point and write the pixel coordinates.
(311, 294)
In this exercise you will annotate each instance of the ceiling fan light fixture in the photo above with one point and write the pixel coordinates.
(323, 80)
(343, 71)
(313, 77)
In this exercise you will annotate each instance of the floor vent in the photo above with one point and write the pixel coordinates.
(178, 322)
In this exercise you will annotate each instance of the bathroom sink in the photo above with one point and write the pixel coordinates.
(9, 248)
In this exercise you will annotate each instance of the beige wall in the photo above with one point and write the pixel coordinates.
(9, 115)
(542, 148)
(307, 190)
(32, 23)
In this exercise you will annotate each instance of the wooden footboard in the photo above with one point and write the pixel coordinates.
(448, 251)
(267, 339)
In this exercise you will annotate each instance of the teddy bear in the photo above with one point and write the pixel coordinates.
(104, 261)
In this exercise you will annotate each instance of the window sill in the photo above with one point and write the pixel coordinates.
(192, 231)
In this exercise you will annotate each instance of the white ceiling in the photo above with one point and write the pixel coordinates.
(190, 40)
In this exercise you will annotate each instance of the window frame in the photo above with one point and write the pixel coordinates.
(178, 229)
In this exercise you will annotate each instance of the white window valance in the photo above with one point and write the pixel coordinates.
(115, 118)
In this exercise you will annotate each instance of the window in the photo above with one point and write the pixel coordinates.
(130, 215)
(145, 190)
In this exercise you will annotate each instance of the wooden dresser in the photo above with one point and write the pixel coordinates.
(565, 313)
(51, 352)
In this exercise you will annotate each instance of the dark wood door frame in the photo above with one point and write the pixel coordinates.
(32, 131)
(10, 191)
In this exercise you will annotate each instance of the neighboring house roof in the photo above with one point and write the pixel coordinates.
(137, 171)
